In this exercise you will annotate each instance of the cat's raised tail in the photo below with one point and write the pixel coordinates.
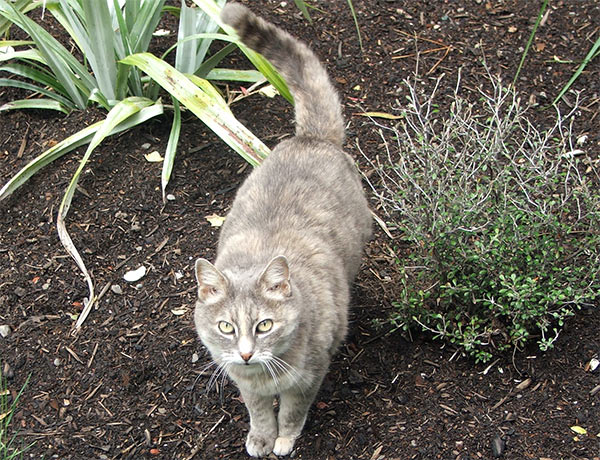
(318, 110)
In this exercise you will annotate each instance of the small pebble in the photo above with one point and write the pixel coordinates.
(195, 358)
(171, 197)
(116, 289)
(5, 330)
(19, 291)
(57, 362)
(146, 146)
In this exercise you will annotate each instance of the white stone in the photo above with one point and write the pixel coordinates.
(135, 275)
(5, 330)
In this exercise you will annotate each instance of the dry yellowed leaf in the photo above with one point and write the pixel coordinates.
(215, 220)
(579, 430)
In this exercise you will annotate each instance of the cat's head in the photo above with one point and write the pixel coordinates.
(246, 317)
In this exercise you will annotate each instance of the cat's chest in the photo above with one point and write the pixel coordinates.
(261, 380)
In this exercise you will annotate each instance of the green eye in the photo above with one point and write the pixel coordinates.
(264, 326)
(225, 327)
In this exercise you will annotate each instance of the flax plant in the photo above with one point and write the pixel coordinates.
(120, 75)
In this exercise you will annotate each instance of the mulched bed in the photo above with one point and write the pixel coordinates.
(130, 385)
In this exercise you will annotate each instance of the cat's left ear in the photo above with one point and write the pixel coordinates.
(275, 279)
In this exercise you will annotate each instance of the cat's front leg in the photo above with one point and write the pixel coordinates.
(263, 425)
(293, 409)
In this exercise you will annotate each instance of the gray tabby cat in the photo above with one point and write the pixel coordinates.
(273, 308)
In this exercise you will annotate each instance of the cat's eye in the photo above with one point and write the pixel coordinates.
(225, 327)
(264, 326)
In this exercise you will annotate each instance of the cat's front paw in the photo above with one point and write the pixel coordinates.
(258, 445)
(283, 445)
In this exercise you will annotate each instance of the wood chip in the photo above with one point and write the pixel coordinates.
(376, 453)
(74, 355)
(524, 384)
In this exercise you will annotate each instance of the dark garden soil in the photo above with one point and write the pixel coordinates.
(129, 385)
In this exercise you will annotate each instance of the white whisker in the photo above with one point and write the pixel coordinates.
(220, 371)
(287, 369)
(267, 365)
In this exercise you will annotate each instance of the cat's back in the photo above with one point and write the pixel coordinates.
(304, 183)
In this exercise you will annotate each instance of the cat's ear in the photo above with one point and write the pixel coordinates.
(211, 282)
(275, 279)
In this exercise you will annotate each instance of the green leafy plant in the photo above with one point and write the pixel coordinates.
(121, 76)
(501, 221)
(8, 449)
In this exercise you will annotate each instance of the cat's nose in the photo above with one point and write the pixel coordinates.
(246, 356)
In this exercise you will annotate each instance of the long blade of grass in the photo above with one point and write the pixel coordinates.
(101, 55)
(64, 11)
(205, 23)
(171, 149)
(258, 61)
(530, 40)
(71, 143)
(301, 4)
(209, 108)
(213, 61)
(29, 54)
(42, 104)
(126, 73)
(185, 56)
(64, 102)
(7, 411)
(38, 76)
(196, 37)
(5, 24)
(355, 18)
(90, 27)
(249, 76)
(132, 9)
(7, 43)
(145, 24)
(118, 114)
(593, 53)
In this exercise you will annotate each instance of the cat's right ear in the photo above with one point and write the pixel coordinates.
(211, 282)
